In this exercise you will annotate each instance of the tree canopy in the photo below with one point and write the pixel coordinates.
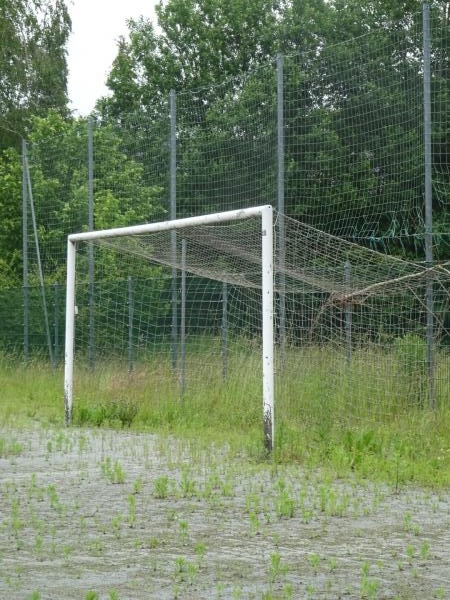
(33, 67)
(353, 106)
(199, 44)
(352, 111)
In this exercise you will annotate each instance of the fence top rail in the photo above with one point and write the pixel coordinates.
(214, 218)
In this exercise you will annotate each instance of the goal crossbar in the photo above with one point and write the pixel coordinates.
(267, 294)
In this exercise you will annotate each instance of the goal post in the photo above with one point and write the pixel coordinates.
(265, 214)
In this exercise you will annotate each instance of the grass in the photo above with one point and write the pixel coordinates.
(356, 419)
(9, 448)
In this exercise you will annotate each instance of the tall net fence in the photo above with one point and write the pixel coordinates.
(333, 137)
(355, 150)
(227, 145)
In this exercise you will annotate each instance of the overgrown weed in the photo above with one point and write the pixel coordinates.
(344, 429)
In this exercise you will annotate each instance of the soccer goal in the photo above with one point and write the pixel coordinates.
(203, 248)
(209, 315)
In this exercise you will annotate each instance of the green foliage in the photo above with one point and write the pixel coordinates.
(161, 487)
(131, 510)
(411, 352)
(33, 67)
(399, 447)
(337, 157)
(9, 448)
(198, 44)
(284, 502)
(369, 587)
(118, 412)
(10, 219)
(113, 471)
(58, 168)
(277, 568)
(359, 444)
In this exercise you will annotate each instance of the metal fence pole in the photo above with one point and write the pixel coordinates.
(183, 319)
(56, 322)
(224, 330)
(130, 324)
(39, 264)
(26, 292)
(428, 201)
(91, 265)
(173, 215)
(280, 205)
(348, 312)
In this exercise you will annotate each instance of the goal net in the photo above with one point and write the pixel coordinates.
(212, 314)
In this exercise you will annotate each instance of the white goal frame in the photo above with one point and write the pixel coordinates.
(267, 287)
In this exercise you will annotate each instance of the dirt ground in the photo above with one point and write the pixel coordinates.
(117, 515)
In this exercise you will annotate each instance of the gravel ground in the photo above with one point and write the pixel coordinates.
(117, 515)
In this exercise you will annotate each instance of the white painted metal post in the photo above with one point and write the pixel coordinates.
(70, 332)
(267, 326)
(211, 219)
(183, 320)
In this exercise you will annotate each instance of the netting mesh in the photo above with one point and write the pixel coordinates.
(356, 182)
(226, 145)
(312, 260)
(352, 128)
(360, 321)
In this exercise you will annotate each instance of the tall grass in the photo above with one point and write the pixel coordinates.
(350, 418)
(366, 415)
(28, 392)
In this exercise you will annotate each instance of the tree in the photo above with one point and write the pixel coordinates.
(220, 59)
(200, 44)
(10, 219)
(57, 158)
(33, 68)
(353, 108)
(355, 125)
(58, 166)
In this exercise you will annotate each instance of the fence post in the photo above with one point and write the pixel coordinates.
(130, 324)
(428, 200)
(348, 312)
(25, 287)
(280, 206)
(173, 215)
(183, 318)
(224, 329)
(56, 322)
(39, 264)
(91, 284)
